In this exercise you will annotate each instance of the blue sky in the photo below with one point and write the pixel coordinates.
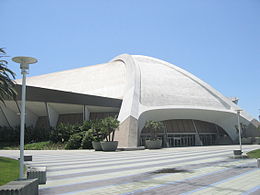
(216, 40)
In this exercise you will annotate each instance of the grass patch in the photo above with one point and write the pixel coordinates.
(35, 146)
(254, 154)
(9, 170)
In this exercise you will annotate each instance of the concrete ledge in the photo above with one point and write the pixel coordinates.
(20, 187)
(37, 172)
(131, 148)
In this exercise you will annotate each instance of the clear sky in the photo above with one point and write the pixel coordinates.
(216, 40)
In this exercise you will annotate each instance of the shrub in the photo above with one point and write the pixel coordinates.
(154, 127)
(87, 139)
(12, 135)
(63, 132)
(41, 134)
(75, 141)
(86, 125)
(9, 134)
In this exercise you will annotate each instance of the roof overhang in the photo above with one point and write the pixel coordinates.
(56, 96)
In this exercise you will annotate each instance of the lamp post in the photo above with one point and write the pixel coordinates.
(239, 128)
(24, 66)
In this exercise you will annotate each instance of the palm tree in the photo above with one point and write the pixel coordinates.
(7, 90)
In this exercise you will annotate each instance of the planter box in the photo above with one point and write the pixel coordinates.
(37, 172)
(153, 144)
(20, 187)
(237, 152)
(97, 146)
(109, 146)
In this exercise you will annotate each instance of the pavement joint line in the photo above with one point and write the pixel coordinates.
(219, 182)
(254, 189)
(156, 186)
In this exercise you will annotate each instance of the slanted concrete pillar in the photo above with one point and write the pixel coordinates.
(30, 117)
(53, 115)
(127, 135)
(86, 113)
(11, 118)
(3, 119)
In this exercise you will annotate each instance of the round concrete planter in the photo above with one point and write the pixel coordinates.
(237, 152)
(109, 146)
(153, 144)
(97, 146)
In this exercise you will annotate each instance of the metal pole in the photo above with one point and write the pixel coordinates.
(24, 72)
(239, 129)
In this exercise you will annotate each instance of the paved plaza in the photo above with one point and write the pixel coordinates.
(186, 170)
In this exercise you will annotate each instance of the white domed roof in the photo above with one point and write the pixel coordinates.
(164, 84)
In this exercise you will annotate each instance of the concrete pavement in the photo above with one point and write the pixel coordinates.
(190, 170)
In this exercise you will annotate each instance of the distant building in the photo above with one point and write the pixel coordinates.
(136, 88)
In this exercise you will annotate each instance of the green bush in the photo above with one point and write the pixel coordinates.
(9, 134)
(87, 139)
(63, 132)
(12, 135)
(86, 125)
(41, 134)
(75, 141)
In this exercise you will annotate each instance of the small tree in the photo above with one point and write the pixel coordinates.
(154, 127)
(7, 89)
(109, 126)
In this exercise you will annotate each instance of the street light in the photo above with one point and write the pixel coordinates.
(239, 128)
(24, 66)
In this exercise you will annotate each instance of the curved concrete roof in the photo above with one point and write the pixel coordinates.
(163, 84)
(106, 80)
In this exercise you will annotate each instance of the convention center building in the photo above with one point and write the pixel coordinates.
(136, 89)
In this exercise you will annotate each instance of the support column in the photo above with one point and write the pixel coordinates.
(86, 113)
(198, 141)
(30, 117)
(127, 135)
(53, 116)
(3, 119)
